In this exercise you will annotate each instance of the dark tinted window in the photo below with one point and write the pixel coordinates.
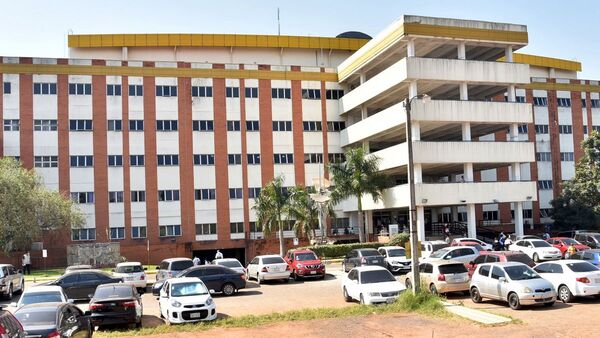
(436, 247)
(306, 257)
(45, 317)
(427, 268)
(181, 265)
(492, 258)
(543, 268)
(191, 273)
(69, 279)
(521, 272)
(114, 292)
(230, 264)
(366, 253)
(129, 269)
(452, 268)
(86, 277)
(272, 260)
(521, 258)
(540, 244)
(40, 297)
(396, 253)
(214, 271)
(480, 259)
(484, 270)
(377, 276)
(497, 273)
(582, 267)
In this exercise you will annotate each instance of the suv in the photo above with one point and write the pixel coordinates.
(170, 267)
(11, 281)
(9, 325)
(362, 257)
(132, 272)
(305, 263)
(591, 239)
(395, 258)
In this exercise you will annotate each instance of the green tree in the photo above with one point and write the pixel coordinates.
(305, 211)
(27, 207)
(272, 209)
(356, 177)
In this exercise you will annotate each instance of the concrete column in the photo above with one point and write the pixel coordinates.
(511, 93)
(124, 53)
(552, 73)
(416, 131)
(516, 171)
(410, 48)
(462, 52)
(454, 211)
(471, 221)
(508, 54)
(514, 132)
(468, 172)
(421, 223)
(464, 91)
(412, 89)
(519, 218)
(364, 112)
(368, 223)
(418, 173)
(466, 131)
(363, 78)
(366, 146)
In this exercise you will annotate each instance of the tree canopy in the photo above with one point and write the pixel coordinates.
(272, 207)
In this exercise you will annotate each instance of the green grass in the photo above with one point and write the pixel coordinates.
(422, 303)
(57, 272)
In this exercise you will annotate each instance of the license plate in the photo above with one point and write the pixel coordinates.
(195, 315)
(313, 272)
(128, 278)
(375, 261)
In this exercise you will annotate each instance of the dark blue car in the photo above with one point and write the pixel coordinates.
(592, 256)
(215, 277)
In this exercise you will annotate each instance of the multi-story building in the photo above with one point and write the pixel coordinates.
(164, 140)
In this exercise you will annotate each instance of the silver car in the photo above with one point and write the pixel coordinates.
(513, 282)
(11, 281)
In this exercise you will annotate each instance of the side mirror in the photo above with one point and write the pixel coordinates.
(502, 279)
(70, 301)
(13, 304)
(211, 291)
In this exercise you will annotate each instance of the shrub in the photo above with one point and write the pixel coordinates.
(399, 239)
(339, 250)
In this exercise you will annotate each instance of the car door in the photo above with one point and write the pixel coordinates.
(426, 272)
(497, 288)
(353, 287)
(88, 281)
(551, 272)
(483, 279)
(252, 267)
(69, 285)
(163, 299)
(75, 324)
(15, 278)
(212, 278)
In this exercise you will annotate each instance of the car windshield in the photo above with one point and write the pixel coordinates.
(396, 252)
(367, 253)
(124, 291)
(521, 272)
(129, 269)
(452, 268)
(181, 265)
(377, 276)
(521, 258)
(439, 246)
(40, 297)
(569, 241)
(273, 260)
(440, 253)
(43, 317)
(582, 267)
(188, 289)
(230, 264)
(540, 244)
(306, 257)
(597, 237)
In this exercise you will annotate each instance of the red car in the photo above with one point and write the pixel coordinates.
(563, 243)
(305, 264)
(499, 256)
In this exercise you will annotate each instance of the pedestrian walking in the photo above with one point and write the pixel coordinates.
(218, 255)
(196, 261)
(502, 241)
(27, 263)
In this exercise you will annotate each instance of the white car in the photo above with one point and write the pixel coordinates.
(269, 267)
(537, 249)
(231, 263)
(483, 244)
(463, 254)
(429, 247)
(186, 300)
(571, 278)
(395, 258)
(42, 294)
(132, 272)
(371, 284)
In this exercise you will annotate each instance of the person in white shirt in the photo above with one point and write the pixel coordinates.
(27, 263)
(196, 261)
(219, 255)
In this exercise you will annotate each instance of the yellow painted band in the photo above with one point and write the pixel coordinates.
(569, 87)
(544, 61)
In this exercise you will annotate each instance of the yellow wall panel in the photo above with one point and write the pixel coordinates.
(219, 40)
(185, 39)
(174, 40)
(208, 40)
(163, 39)
(140, 39)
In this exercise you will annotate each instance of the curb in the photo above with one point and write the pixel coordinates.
(485, 318)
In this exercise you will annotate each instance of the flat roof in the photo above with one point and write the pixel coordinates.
(545, 61)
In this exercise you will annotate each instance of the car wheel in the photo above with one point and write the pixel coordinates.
(514, 302)
(9, 294)
(475, 296)
(536, 258)
(257, 279)
(433, 289)
(564, 294)
(228, 289)
(362, 300)
(296, 277)
(408, 284)
(346, 296)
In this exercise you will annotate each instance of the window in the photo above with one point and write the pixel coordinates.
(490, 215)
(312, 125)
(11, 125)
(567, 157)
(543, 157)
(7, 88)
(232, 92)
(253, 192)
(80, 88)
(546, 212)
(40, 88)
(281, 93)
(595, 103)
(582, 103)
(115, 160)
(136, 90)
(82, 197)
(541, 129)
(235, 193)
(252, 126)
(311, 94)
(484, 270)
(201, 91)
(522, 129)
(255, 227)
(136, 160)
(202, 125)
(80, 161)
(138, 196)
(585, 129)
(282, 125)
(204, 159)
(205, 194)
(545, 184)
(45, 161)
(115, 125)
(83, 234)
(253, 158)
(136, 125)
(497, 272)
(336, 157)
(115, 197)
(596, 128)
(45, 125)
(169, 230)
(565, 129)
(563, 102)
(527, 213)
(164, 160)
(80, 125)
(234, 159)
(540, 101)
(251, 92)
(283, 158)
(166, 125)
(117, 233)
(334, 94)
(206, 229)
(520, 99)
(313, 158)
(233, 125)
(168, 195)
(336, 125)
(236, 227)
(113, 90)
(167, 91)
(138, 232)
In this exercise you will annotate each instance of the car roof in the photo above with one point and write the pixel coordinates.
(505, 264)
(176, 259)
(365, 249)
(444, 262)
(107, 285)
(184, 280)
(41, 306)
(390, 247)
(467, 239)
(532, 240)
(301, 251)
(129, 264)
(265, 256)
(369, 268)
(502, 253)
(3, 265)
(226, 260)
(43, 288)
(435, 242)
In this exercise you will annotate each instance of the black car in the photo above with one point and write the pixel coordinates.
(116, 304)
(215, 277)
(54, 320)
(9, 325)
(361, 257)
(82, 284)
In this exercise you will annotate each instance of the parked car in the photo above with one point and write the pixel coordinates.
(395, 258)
(592, 256)
(116, 304)
(429, 247)
(462, 240)
(591, 239)
(463, 254)
(563, 244)
(537, 249)
(185, 300)
(571, 278)
(11, 281)
(362, 257)
(9, 325)
(499, 256)
(78, 267)
(132, 272)
(371, 285)
(216, 278)
(514, 237)
(81, 284)
(50, 320)
(305, 264)
(512, 282)
(442, 276)
(231, 263)
(170, 267)
(42, 294)
(268, 267)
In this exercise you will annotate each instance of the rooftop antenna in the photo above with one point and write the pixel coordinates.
(278, 23)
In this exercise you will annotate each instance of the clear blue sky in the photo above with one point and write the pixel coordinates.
(563, 29)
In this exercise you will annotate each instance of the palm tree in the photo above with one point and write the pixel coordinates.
(358, 176)
(271, 206)
(305, 212)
